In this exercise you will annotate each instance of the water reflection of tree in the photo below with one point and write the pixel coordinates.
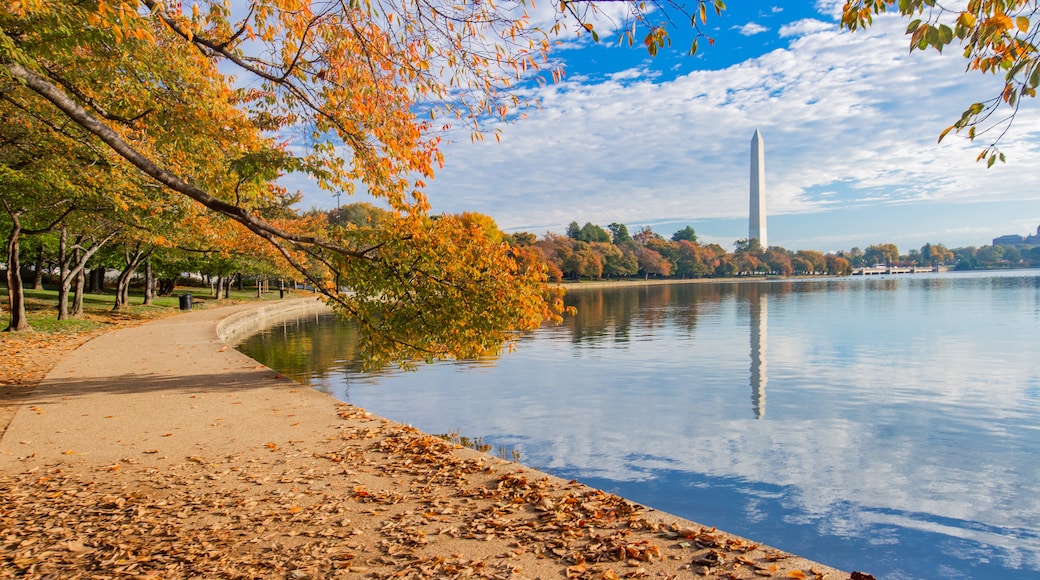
(318, 347)
(616, 315)
(306, 348)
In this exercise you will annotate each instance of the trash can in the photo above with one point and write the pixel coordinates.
(185, 301)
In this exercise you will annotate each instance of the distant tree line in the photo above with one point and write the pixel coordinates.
(596, 252)
(78, 255)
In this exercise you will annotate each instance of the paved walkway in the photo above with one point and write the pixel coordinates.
(156, 391)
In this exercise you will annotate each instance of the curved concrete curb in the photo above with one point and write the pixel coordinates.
(240, 325)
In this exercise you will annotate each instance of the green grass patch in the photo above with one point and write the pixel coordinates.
(41, 306)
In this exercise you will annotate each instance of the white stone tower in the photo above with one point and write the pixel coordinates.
(757, 213)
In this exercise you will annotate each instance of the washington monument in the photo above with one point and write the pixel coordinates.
(757, 213)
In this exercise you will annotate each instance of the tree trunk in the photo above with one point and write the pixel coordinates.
(133, 261)
(15, 292)
(149, 283)
(227, 288)
(64, 279)
(73, 263)
(38, 274)
(122, 282)
(77, 300)
(166, 286)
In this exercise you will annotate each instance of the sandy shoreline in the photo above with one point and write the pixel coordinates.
(160, 452)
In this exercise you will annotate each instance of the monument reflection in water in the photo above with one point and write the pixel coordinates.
(901, 438)
(759, 306)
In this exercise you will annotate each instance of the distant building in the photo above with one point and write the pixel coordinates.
(1013, 240)
(1009, 240)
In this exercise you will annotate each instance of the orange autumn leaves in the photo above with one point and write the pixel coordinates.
(443, 287)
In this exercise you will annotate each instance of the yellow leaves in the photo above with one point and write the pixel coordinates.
(655, 39)
(966, 19)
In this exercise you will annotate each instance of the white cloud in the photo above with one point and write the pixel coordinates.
(804, 27)
(750, 29)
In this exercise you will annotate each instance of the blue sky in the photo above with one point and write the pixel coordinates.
(850, 124)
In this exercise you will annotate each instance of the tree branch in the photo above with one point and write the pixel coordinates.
(90, 102)
(46, 89)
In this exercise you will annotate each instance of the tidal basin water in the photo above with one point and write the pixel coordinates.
(887, 425)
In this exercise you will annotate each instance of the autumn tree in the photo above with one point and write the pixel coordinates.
(523, 239)
(651, 263)
(25, 215)
(556, 251)
(75, 250)
(996, 36)
(815, 259)
(936, 254)
(837, 265)
(881, 254)
(693, 260)
(645, 234)
(617, 262)
(37, 190)
(327, 89)
(360, 214)
(779, 261)
(747, 263)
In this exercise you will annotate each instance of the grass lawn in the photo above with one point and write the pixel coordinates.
(41, 307)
